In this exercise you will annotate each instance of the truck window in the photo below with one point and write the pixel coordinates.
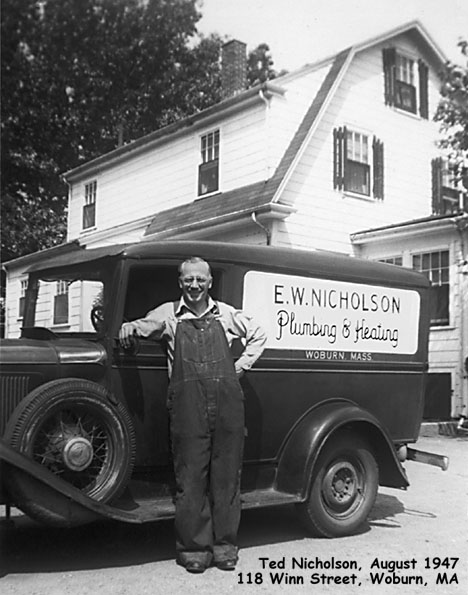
(151, 286)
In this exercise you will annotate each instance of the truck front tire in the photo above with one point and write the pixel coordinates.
(73, 427)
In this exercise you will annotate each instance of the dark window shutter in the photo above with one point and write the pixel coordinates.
(338, 158)
(423, 90)
(378, 159)
(389, 61)
(437, 168)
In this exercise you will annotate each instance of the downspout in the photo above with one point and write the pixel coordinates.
(265, 229)
(253, 216)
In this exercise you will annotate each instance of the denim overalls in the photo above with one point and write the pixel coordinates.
(206, 407)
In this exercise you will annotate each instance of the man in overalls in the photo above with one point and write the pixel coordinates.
(206, 407)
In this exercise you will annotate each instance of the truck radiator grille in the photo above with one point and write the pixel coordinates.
(12, 390)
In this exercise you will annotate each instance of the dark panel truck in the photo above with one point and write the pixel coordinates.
(331, 406)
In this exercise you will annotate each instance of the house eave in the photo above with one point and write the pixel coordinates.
(265, 212)
(407, 229)
(33, 257)
(414, 25)
(179, 128)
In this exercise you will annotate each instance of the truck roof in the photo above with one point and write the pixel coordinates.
(286, 260)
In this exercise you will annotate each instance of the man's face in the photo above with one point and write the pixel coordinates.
(195, 281)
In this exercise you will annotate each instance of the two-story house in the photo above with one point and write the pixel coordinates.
(311, 160)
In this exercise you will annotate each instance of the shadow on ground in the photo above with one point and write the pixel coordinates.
(29, 547)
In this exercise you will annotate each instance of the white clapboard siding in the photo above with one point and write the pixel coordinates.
(326, 217)
(167, 175)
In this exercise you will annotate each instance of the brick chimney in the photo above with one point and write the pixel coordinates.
(233, 68)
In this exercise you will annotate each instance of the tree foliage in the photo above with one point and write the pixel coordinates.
(260, 65)
(77, 76)
(81, 77)
(452, 111)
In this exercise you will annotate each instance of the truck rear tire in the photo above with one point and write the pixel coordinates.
(74, 428)
(344, 487)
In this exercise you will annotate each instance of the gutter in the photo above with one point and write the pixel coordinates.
(178, 128)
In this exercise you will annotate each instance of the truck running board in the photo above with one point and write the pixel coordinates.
(429, 458)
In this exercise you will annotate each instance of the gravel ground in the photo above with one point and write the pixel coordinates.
(429, 520)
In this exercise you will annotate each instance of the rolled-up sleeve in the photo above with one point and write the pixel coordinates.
(154, 323)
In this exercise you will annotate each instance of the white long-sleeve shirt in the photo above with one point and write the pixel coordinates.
(162, 322)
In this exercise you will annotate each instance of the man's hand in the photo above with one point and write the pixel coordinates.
(126, 334)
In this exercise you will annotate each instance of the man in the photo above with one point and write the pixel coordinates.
(206, 407)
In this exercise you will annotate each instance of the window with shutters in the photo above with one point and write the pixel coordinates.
(406, 82)
(358, 165)
(435, 265)
(89, 207)
(449, 187)
(208, 170)
(61, 303)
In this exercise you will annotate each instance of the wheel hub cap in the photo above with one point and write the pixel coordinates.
(78, 453)
(340, 485)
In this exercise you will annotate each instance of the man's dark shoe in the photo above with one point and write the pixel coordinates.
(226, 564)
(195, 567)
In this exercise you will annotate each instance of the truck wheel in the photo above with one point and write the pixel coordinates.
(344, 487)
(73, 428)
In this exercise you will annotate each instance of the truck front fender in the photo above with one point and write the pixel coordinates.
(319, 424)
(55, 502)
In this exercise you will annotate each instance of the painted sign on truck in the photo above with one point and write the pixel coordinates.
(302, 313)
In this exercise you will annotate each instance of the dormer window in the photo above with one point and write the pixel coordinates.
(406, 82)
(208, 170)
(405, 91)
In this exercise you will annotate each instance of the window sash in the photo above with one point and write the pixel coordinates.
(210, 147)
(435, 265)
(208, 177)
(357, 177)
(90, 192)
(61, 308)
(89, 215)
(404, 69)
(405, 96)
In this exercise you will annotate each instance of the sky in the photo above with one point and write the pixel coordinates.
(303, 31)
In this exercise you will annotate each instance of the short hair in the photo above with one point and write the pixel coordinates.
(193, 260)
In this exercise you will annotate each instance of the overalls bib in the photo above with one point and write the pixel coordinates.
(206, 406)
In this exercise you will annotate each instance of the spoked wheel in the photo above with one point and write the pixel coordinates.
(73, 428)
(344, 487)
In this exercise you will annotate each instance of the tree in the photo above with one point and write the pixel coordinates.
(452, 111)
(81, 77)
(78, 77)
(260, 65)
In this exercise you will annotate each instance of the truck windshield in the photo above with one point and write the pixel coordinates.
(66, 302)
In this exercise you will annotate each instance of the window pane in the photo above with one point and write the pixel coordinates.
(440, 305)
(426, 262)
(405, 96)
